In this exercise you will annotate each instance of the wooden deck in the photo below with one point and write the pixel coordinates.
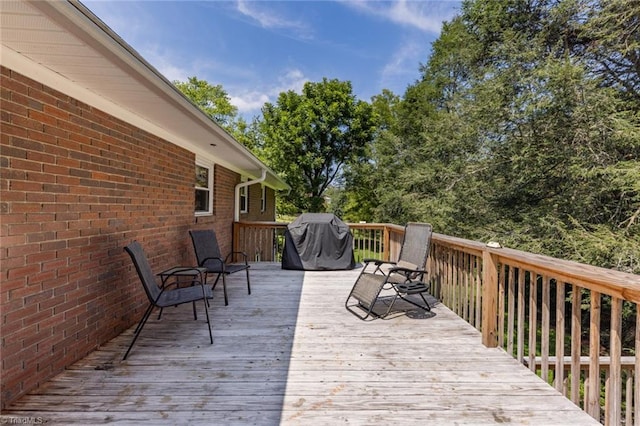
(291, 354)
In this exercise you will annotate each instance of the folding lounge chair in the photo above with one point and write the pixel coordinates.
(405, 277)
(205, 245)
(162, 297)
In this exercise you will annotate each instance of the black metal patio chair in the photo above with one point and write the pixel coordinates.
(205, 245)
(163, 296)
(405, 277)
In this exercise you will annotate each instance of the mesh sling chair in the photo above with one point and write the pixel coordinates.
(405, 276)
(163, 297)
(205, 245)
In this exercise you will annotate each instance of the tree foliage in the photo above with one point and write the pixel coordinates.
(611, 37)
(308, 138)
(215, 102)
(522, 128)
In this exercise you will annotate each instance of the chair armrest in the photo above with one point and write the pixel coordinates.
(217, 259)
(182, 271)
(378, 262)
(407, 272)
(241, 253)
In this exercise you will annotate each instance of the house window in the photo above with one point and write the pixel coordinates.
(204, 189)
(244, 201)
(263, 199)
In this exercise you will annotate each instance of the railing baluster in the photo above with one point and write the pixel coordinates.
(533, 319)
(576, 343)
(464, 286)
(544, 339)
(593, 401)
(478, 280)
(511, 310)
(628, 411)
(521, 315)
(560, 323)
(454, 280)
(614, 395)
(636, 372)
(502, 289)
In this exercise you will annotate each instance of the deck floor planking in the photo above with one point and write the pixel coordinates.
(291, 354)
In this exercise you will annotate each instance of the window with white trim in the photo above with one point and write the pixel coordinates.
(263, 199)
(204, 189)
(244, 201)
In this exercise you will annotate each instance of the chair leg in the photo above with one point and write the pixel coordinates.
(224, 286)
(224, 289)
(213, 287)
(147, 313)
(395, 297)
(205, 281)
(195, 315)
(206, 311)
(367, 310)
(427, 307)
(426, 303)
(248, 282)
(138, 330)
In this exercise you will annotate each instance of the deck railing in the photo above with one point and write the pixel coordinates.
(264, 241)
(575, 325)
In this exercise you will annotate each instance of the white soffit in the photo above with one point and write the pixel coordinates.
(63, 45)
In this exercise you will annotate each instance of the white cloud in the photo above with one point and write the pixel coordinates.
(291, 80)
(166, 65)
(403, 60)
(251, 101)
(421, 20)
(268, 18)
(420, 15)
(425, 16)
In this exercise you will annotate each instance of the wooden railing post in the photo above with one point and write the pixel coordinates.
(489, 299)
(386, 240)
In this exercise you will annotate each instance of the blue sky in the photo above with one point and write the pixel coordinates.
(258, 49)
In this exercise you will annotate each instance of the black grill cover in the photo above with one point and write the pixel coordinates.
(318, 241)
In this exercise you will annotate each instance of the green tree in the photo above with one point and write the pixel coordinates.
(428, 156)
(363, 179)
(557, 138)
(215, 102)
(611, 38)
(308, 138)
(514, 132)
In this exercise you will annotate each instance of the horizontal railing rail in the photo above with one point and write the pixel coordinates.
(264, 241)
(577, 326)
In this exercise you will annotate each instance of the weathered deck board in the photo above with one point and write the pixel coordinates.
(291, 354)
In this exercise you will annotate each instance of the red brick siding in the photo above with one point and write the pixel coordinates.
(254, 197)
(224, 182)
(76, 186)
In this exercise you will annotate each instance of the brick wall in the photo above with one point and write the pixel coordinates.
(76, 186)
(224, 182)
(254, 213)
